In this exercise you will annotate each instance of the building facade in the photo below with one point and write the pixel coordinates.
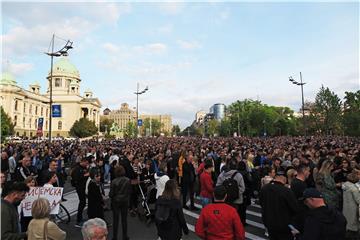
(121, 117)
(27, 107)
(218, 110)
(165, 121)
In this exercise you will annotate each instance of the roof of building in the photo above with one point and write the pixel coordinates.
(7, 79)
(64, 66)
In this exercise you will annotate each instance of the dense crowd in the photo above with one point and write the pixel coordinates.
(308, 187)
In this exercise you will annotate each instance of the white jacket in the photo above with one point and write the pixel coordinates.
(160, 184)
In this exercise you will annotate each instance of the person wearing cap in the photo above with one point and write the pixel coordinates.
(322, 222)
(279, 207)
(219, 220)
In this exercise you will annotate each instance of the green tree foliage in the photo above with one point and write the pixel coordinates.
(156, 126)
(7, 127)
(130, 130)
(225, 128)
(351, 117)
(105, 124)
(327, 110)
(175, 130)
(212, 128)
(252, 118)
(83, 128)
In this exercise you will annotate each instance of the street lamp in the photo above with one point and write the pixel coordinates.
(137, 104)
(301, 83)
(62, 52)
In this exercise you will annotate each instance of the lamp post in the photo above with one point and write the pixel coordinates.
(137, 104)
(301, 84)
(62, 52)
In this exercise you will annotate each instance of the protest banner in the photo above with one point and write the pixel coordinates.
(53, 194)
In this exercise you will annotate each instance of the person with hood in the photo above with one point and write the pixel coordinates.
(232, 173)
(160, 179)
(169, 216)
(322, 222)
(351, 202)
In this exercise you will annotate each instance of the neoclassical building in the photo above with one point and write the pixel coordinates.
(26, 107)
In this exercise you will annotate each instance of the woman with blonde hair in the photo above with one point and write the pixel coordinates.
(40, 226)
(325, 183)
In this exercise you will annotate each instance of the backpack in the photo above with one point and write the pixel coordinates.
(162, 213)
(232, 188)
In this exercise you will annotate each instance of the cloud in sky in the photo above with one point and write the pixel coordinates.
(188, 44)
(191, 55)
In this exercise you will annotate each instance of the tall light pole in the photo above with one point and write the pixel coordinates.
(301, 84)
(62, 52)
(137, 104)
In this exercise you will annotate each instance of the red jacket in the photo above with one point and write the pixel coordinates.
(207, 185)
(219, 221)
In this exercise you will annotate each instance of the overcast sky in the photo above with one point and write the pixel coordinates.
(191, 55)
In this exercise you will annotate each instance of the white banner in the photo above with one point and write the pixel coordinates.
(53, 194)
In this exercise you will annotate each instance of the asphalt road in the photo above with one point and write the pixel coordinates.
(139, 230)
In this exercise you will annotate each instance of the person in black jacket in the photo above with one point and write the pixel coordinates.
(79, 176)
(172, 227)
(279, 206)
(187, 183)
(95, 198)
(120, 191)
(322, 222)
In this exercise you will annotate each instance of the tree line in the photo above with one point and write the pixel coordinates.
(327, 115)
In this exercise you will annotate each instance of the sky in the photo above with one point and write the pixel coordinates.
(190, 55)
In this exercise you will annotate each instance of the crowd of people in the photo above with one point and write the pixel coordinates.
(308, 187)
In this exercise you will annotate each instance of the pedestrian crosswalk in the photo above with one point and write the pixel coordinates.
(255, 229)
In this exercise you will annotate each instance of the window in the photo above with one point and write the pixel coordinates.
(59, 125)
(23, 122)
(30, 120)
(35, 123)
(36, 110)
(47, 112)
(16, 105)
(46, 124)
(30, 109)
(67, 83)
(15, 120)
(57, 82)
(42, 111)
(24, 107)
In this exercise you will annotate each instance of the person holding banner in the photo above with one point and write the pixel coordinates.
(40, 226)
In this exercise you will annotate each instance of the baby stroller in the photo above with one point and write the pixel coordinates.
(146, 207)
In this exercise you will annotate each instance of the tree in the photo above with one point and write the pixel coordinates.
(156, 126)
(225, 129)
(351, 117)
(328, 111)
(83, 128)
(7, 127)
(105, 125)
(212, 127)
(175, 130)
(130, 130)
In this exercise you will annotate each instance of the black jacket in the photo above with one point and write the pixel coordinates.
(188, 173)
(78, 178)
(278, 205)
(324, 223)
(95, 201)
(172, 228)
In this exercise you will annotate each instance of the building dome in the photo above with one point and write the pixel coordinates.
(64, 67)
(7, 79)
